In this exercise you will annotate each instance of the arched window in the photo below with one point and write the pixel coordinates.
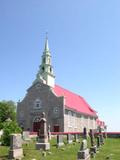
(49, 60)
(69, 119)
(44, 60)
(50, 69)
(37, 104)
(43, 69)
(75, 120)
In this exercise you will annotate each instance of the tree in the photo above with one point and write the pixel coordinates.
(8, 121)
(9, 128)
(7, 111)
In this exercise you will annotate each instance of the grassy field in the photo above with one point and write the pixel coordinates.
(110, 149)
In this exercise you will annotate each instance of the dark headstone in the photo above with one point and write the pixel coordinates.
(93, 148)
(92, 138)
(98, 141)
(43, 135)
(84, 133)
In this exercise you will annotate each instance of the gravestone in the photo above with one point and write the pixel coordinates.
(93, 148)
(98, 141)
(60, 140)
(84, 133)
(83, 154)
(92, 138)
(105, 132)
(69, 138)
(42, 140)
(105, 135)
(26, 135)
(16, 151)
(76, 138)
(49, 133)
(101, 139)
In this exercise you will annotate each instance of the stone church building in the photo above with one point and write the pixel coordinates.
(65, 111)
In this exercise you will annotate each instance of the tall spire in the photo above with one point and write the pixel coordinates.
(45, 73)
(46, 49)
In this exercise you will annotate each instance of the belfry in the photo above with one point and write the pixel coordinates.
(45, 73)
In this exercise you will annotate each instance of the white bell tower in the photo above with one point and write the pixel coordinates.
(45, 73)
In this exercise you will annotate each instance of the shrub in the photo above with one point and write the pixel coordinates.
(9, 128)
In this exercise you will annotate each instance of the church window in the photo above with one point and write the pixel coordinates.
(50, 69)
(88, 123)
(82, 122)
(37, 104)
(49, 60)
(75, 120)
(56, 111)
(43, 69)
(44, 60)
(69, 119)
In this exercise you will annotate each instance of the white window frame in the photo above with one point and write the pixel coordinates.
(37, 102)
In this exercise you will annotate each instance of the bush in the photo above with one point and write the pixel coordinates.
(9, 128)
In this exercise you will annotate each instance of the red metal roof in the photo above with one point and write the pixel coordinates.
(74, 101)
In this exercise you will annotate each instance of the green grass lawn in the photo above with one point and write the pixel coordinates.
(111, 149)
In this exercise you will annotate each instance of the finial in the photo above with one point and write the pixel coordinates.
(46, 35)
(46, 43)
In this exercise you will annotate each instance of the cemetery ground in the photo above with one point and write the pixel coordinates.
(110, 150)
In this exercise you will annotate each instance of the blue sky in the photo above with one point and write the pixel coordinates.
(84, 37)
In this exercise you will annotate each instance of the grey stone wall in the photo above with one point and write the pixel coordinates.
(52, 105)
(56, 115)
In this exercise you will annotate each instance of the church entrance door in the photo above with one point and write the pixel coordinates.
(36, 124)
(56, 128)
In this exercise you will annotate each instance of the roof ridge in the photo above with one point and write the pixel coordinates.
(69, 91)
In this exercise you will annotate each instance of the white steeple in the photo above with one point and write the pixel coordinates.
(45, 73)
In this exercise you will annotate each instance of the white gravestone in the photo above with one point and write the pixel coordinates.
(26, 135)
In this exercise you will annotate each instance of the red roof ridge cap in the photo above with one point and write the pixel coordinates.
(69, 91)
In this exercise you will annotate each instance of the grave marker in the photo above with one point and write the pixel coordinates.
(26, 136)
(49, 133)
(83, 154)
(69, 138)
(16, 151)
(43, 135)
(93, 148)
(60, 140)
(84, 133)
